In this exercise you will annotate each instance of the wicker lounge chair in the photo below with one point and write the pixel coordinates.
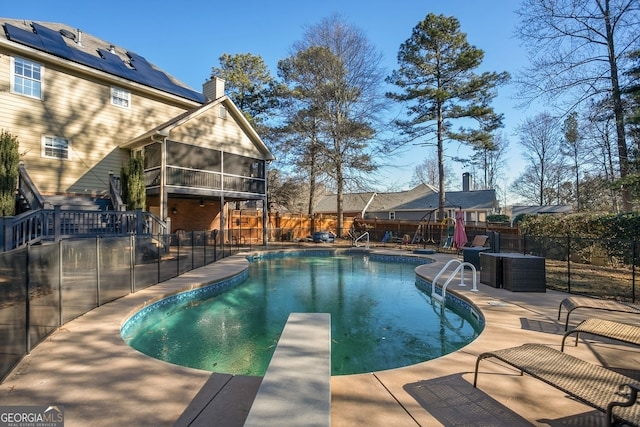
(594, 385)
(478, 241)
(622, 332)
(574, 303)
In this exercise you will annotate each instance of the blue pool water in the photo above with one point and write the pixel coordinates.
(379, 318)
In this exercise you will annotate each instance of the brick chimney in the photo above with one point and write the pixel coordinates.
(466, 181)
(213, 89)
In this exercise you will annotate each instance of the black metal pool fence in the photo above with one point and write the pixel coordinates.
(605, 268)
(44, 286)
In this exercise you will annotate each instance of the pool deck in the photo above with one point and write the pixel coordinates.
(87, 368)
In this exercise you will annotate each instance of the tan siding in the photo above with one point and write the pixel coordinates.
(79, 109)
(208, 130)
(97, 177)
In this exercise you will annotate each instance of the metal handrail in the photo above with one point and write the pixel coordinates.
(28, 189)
(461, 267)
(114, 192)
(355, 242)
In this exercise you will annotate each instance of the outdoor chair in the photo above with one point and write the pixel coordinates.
(478, 241)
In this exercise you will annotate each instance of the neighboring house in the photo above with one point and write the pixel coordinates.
(416, 204)
(80, 107)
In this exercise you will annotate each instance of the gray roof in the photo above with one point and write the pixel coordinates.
(534, 210)
(467, 200)
(419, 198)
(355, 202)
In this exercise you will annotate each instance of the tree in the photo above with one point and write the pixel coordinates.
(9, 162)
(286, 191)
(249, 84)
(427, 172)
(577, 47)
(600, 135)
(539, 139)
(308, 77)
(133, 187)
(596, 193)
(490, 156)
(438, 84)
(334, 76)
(632, 93)
(573, 149)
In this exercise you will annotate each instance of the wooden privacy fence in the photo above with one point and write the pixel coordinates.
(243, 227)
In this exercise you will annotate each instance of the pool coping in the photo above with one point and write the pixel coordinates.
(87, 368)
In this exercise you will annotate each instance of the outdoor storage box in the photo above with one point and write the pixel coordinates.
(491, 269)
(524, 273)
(472, 255)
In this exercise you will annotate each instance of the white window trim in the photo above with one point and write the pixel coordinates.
(117, 93)
(13, 78)
(45, 139)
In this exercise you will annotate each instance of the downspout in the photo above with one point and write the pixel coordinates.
(163, 181)
(223, 218)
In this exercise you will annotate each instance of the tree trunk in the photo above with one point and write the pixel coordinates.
(618, 110)
(340, 185)
(440, 137)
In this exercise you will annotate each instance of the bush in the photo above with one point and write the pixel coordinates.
(9, 161)
(498, 218)
(624, 226)
(132, 181)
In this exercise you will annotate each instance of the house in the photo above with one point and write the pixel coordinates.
(81, 106)
(416, 204)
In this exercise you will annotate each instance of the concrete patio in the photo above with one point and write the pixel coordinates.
(87, 368)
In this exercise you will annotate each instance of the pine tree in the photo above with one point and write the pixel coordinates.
(438, 83)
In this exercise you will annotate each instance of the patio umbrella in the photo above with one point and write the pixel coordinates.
(459, 234)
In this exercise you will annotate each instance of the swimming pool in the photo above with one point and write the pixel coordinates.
(380, 319)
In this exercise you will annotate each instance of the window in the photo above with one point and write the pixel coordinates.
(27, 78)
(120, 97)
(55, 147)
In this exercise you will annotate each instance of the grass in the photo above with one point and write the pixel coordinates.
(601, 281)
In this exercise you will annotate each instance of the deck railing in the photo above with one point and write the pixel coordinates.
(56, 224)
(27, 190)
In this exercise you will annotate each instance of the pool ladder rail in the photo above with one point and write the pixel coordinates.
(460, 268)
(362, 236)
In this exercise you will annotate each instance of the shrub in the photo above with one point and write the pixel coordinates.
(9, 161)
(133, 188)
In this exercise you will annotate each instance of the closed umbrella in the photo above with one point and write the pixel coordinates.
(459, 234)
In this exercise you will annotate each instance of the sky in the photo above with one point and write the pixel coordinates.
(187, 38)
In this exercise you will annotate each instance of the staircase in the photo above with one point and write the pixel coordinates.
(77, 203)
(53, 218)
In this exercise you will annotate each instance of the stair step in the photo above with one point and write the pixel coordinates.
(76, 203)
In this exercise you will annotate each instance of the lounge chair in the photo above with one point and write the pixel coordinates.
(622, 332)
(478, 241)
(599, 387)
(576, 302)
